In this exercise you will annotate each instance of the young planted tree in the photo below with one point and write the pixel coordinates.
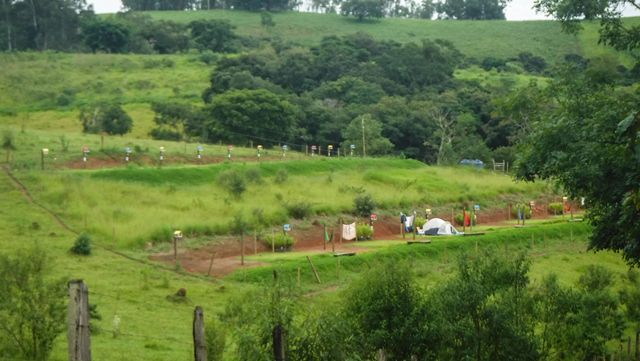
(8, 144)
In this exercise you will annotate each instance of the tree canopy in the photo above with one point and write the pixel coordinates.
(589, 144)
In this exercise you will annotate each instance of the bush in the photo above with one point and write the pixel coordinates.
(233, 182)
(82, 246)
(282, 176)
(299, 210)
(215, 337)
(420, 222)
(280, 241)
(253, 175)
(364, 205)
(33, 306)
(523, 207)
(555, 208)
(363, 232)
(458, 219)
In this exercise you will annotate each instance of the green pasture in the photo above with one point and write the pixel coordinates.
(479, 39)
(154, 328)
(140, 205)
(34, 82)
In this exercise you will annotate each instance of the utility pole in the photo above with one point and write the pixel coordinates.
(364, 147)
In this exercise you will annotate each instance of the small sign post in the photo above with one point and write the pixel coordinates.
(532, 205)
(127, 154)
(229, 149)
(372, 219)
(352, 147)
(284, 150)
(199, 150)
(85, 153)
(427, 213)
(259, 151)
(313, 150)
(44, 153)
(161, 155)
(329, 149)
(177, 235)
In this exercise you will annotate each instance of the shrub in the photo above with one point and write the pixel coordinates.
(282, 176)
(420, 222)
(33, 306)
(364, 205)
(299, 210)
(163, 234)
(82, 246)
(208, 57)
(458, 219)
(280, 241)
(523, 207)
(363, 232)
(555, 208)
(253, 175)
(233, 182)
(215, 337)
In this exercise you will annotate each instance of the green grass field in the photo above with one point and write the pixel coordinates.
(477, 39)
(141, 205)
(153, 328)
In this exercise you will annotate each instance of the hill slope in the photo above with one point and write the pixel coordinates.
(477, 39)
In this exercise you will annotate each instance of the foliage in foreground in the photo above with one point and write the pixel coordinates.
(587, 140)
(32, 308)
(488, 310)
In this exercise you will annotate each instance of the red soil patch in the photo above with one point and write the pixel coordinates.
(227, 253)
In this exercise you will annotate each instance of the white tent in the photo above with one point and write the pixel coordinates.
(437, 226)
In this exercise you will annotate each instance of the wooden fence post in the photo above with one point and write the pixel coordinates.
(313, 268)
(638, 346)
(278, 343)
(78, 333)
(242, 248)
(213, 256)
(199, 341)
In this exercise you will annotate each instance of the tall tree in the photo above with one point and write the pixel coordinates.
(472, 9)
(589, 141)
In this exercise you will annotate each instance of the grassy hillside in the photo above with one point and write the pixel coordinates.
(190, 198)
(477, 39)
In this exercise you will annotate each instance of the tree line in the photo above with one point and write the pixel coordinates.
(404, 96)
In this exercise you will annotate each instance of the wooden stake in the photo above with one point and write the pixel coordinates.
(199, 340)
(213, 256)
(175, 249)
(78, 332)
(313, 268)
(278, 343)
(242, 248)
(532, 242)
